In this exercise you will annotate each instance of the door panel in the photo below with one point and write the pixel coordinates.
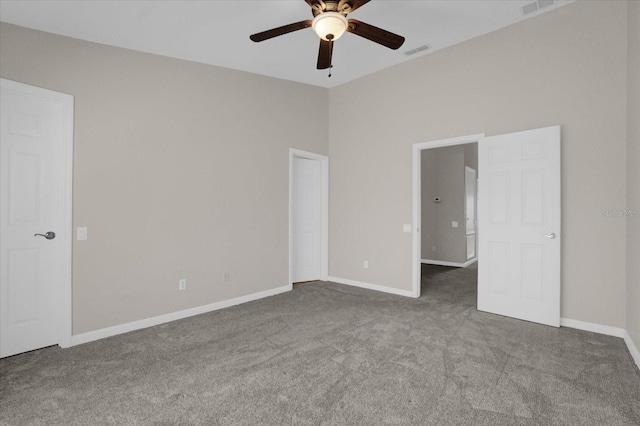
(518, 211)
(532, 271)
(532, 197)
(22, 265)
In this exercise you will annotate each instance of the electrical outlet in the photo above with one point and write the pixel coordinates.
(182, 284)
(433, 248)
(366, 264)
(226, 277)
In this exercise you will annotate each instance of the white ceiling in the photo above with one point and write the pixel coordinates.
(217, 32)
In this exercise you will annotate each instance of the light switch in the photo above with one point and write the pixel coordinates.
(82, 233)
(406, 227)
(454, 224)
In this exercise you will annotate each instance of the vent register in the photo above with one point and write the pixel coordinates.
(536, 6)
(526, 9)
(417, 49)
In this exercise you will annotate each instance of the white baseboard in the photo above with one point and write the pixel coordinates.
(604, 329)
(635, 353)
(173, 316)
(445, 263)
(590, 326)
(376, 287)
(161, 319)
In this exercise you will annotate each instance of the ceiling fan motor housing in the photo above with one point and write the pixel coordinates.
(320, 6)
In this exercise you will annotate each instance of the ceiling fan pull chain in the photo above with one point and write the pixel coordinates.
(330, 68)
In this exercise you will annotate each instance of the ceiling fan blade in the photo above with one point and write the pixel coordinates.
(324, 55)
(275, 32)
(375, 34)
(354, 3)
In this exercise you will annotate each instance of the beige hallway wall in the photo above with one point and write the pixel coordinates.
(443, 176)
(180, 171)
(565, 67)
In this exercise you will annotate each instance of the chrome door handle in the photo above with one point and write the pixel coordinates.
(49, 235)
(551, 235)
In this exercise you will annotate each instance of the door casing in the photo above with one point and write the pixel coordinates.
(470, 183)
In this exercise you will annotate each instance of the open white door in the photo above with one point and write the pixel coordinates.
(35, 218)
(519, 221)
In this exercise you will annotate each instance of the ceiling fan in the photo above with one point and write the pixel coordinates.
(330, 23)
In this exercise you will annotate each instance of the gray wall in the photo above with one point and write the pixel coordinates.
(633, 175)
(180, 171)
(566, 67)
(443, 176)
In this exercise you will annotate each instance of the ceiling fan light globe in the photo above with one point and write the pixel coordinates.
(330, 25)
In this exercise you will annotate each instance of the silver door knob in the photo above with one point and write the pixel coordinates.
(551, 235)
(49, 235)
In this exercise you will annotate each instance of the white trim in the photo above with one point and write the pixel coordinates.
(416, 253)
(324, 211)
(66, 320)
(66, 233)
(593, 327)
(161, 319)
(445, 263)
(368, 286)
(635, 353)
(473, 234)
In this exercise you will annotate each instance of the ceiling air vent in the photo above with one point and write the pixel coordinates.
(417, 49)
(544, 3)
(536, 5)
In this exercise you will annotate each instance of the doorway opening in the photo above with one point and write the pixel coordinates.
(448, 203)
(308, 217)
(445, 240)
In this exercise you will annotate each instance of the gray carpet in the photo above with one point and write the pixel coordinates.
(331, 354)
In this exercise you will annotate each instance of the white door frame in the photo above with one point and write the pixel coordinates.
(324, 210)
(66, 233)
(416, 251)
(467, 170)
